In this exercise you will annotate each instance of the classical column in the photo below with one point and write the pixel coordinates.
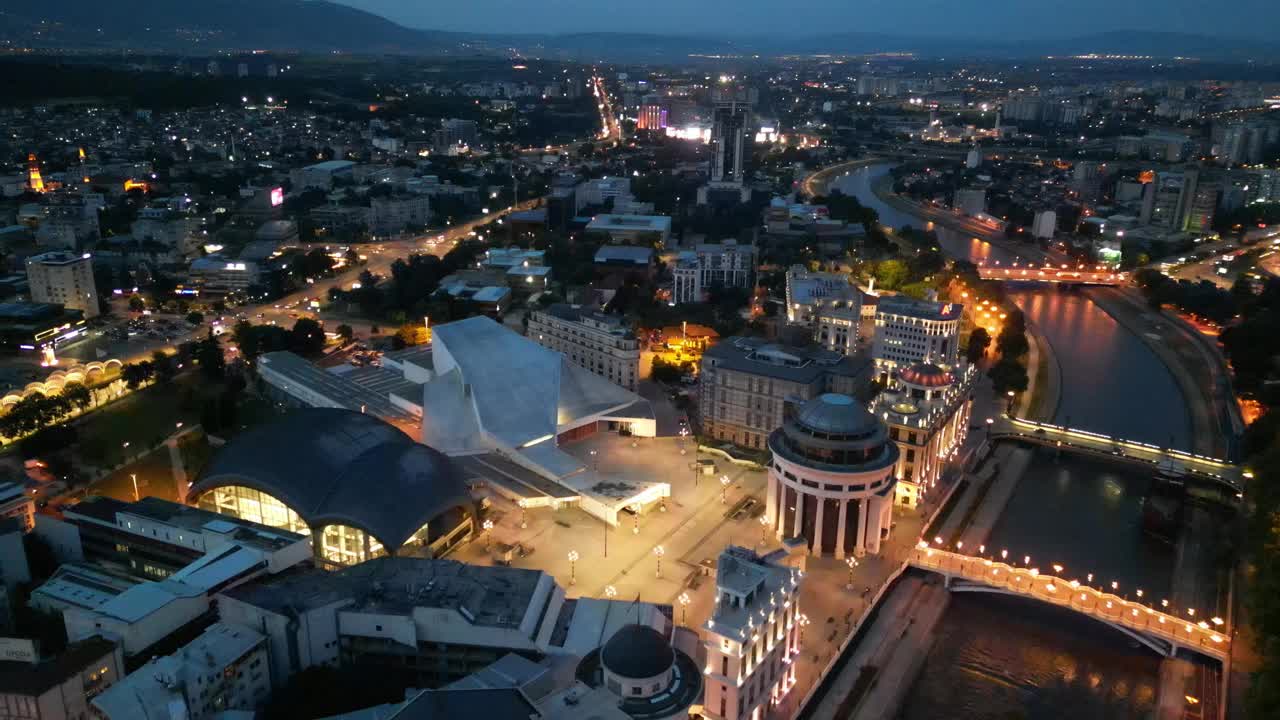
(798, 530)
(771, 500)
(816, 549)
(840, 528)
(864, 514)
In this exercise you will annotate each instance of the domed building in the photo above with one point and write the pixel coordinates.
(648, 677)
(927, 409)
(360, 486)
(831, 480)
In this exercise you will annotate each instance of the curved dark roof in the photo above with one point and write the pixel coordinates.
(836, 414)
(637, 652)
(927, 375)
(342, 467)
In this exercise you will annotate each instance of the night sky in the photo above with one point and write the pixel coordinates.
(975, 18)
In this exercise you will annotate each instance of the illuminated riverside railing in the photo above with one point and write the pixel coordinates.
(1181, 460)
(1080, 274)
(1138, 619)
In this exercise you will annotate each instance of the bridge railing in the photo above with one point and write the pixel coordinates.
(1209, 637)
(1050, 273)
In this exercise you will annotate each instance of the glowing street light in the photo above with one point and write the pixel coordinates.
(684, 608)
(852, 562)
(724, 489)
(635, 515)
(573, 560)
(487, 525)
(611, 592)
(658, 552)
(764, 529)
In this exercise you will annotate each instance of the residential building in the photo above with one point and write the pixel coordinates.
(1045, 225)
(225, 668)
(321, 176)
(747, 385)
(65, 279)
(391, 215)
(927, 409)
(730, 117)
(831, 478)
(61, 687)
(753, 635)
(909, 331)
(970, 201)
(601, 343)
(455, 134)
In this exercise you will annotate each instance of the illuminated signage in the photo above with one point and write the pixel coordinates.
(277, 197)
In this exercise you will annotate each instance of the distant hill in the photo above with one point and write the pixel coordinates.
(322, 26)
(304, 25)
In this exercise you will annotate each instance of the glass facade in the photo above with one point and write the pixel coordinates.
(338, 544)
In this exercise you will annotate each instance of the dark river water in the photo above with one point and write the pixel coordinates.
(999, 657)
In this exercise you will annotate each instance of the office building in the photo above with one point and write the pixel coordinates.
(730, 118)
(1180, 201)
(746, 385)
(652, 116)
(686, 279)
(225, 668)
(831, 480)
(16, 503)
(392, 215)
(603, 344)
(598, 192)
(726, 264)
(61, 687)
(827, 303)
(970, 201)
(753, 635)
(927, 409)
(1044, 225)
(65, 279)
(215, 274)
(909, 331)
(322, 175)
(33, 327)
(439, 619)
(454, 135)
(651, 230)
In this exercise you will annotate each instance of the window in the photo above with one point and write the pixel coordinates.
(636, 689)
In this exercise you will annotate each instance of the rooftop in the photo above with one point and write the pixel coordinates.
(742, 572)
(923, 309)
(34, 679)
(641, 223)
(803, 365)
(293, 369)
(204, 523)
(492, 596)
(630, 254)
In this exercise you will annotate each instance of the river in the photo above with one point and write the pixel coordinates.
(1002, 658)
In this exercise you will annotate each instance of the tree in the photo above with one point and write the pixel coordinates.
(979, 341)
(346, 332)
(165, 367)
(77, 395)
(891, 274)
(195, 318)
(136, 304)
(306, 337)
(246, 337)
(135, 374)
(1008, 374)
(213, 365)
(1012, 344)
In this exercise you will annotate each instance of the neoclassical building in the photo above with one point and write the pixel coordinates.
(927, 408)
(832, 478)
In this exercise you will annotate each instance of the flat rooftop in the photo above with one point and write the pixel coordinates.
(296, 370)
(491, 596)
(108, 511)
(640, 223)
(923, 309)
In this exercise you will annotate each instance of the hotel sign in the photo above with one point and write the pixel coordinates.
(18, 649)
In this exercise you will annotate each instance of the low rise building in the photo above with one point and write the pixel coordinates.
(601, 343)
(225, 668)
(391, 215)
(909, 331)
(752, 636)
(322, 175)
(927, 409)
(61, 687)
(747, 384)
(829, 304)
(16, 503)
(218, 275)
(652, 230)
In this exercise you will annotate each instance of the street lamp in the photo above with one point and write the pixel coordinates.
(487, 525)
(595, 464)
(573, 559)
(724, 489)
(524, 521)
(684, 432)
(764, 529)
(852, 562)
(611, 592)
(684, 608)
(1009, 409)
(635, 515)
(658, 552)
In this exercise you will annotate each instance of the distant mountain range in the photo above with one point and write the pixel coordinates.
(321, 26)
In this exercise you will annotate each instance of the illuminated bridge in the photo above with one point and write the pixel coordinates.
(1170, 461)
(1063, 274)
(1159, 630)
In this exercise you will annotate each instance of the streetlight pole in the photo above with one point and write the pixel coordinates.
(635, 515)
(658, 552)
(684, 609)
(573, 559)
(606, 537)
(852, 562)
(764, 530)
(487, 525)
(724, 489)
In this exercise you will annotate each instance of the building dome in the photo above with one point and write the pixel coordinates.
(834, 414)
(338, 467)
(637, 652)
(927, 375)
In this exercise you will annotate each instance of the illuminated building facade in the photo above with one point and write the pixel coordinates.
(652, 117)
(65, 279)
(34, 180)
(832, 480)
(359, 486)
(752, 635)
(909, 331)
(927, 409)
